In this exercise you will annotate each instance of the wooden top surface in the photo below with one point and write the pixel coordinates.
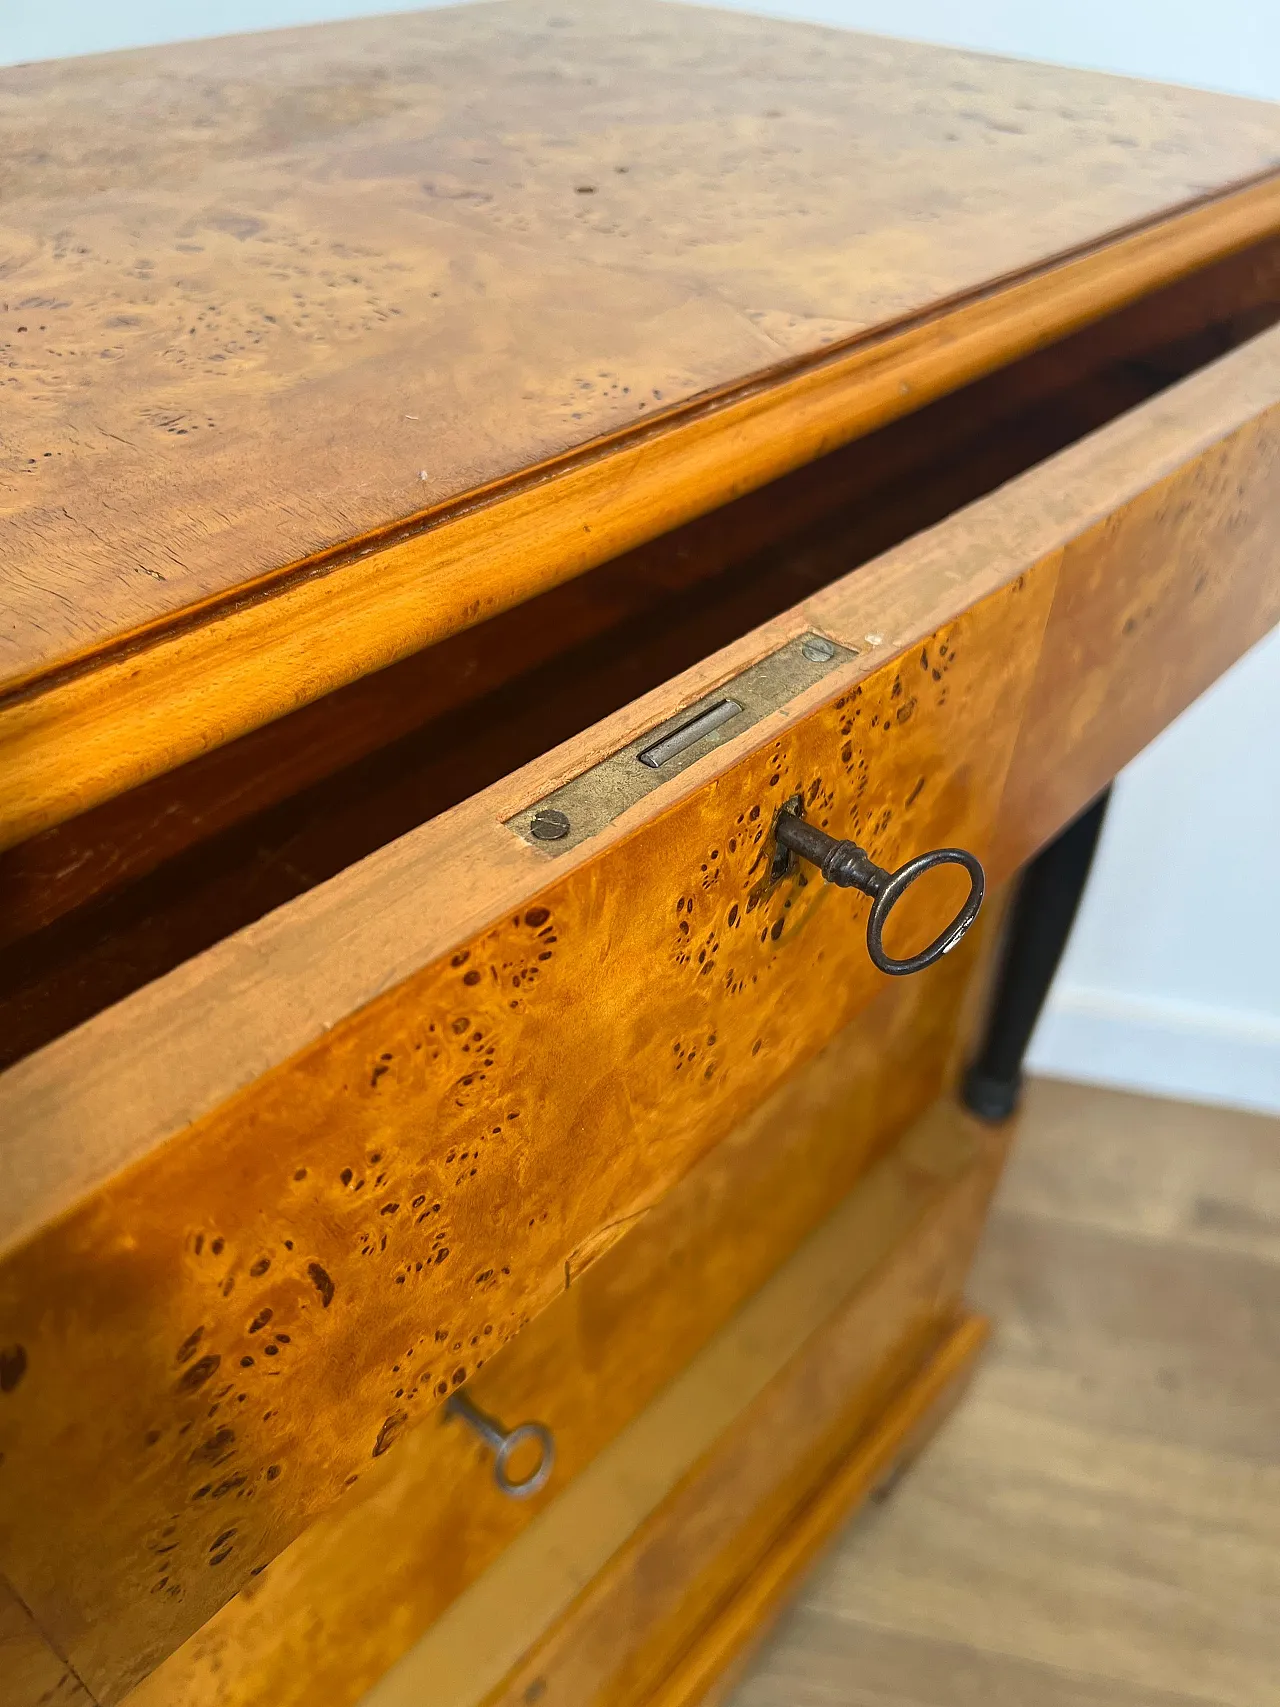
(266, 295)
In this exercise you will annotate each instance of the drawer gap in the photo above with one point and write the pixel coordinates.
(100, 906)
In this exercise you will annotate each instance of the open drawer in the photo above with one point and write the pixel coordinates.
(266, 1211)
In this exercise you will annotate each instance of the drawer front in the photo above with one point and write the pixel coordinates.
(713, 1477)
(375, 1131)
(366, 1579)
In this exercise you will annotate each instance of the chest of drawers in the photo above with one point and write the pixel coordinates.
(469, 478)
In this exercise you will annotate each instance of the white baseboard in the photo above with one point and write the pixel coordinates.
(1161, 1047)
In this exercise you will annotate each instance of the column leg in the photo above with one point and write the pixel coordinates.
(1039, 924)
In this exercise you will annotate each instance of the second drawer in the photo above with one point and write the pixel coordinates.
(338, 1606)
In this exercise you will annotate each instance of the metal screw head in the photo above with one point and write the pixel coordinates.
(817, 650)
(549, 825)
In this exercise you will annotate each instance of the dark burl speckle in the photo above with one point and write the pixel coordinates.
(187, 1349)
(13, 1366)
(322, 1283)
(216, 1449)
(198, 1373)
(388, 1432)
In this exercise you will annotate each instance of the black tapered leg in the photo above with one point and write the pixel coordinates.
(1039, 924)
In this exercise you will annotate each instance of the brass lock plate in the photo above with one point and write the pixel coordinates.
(586, 805)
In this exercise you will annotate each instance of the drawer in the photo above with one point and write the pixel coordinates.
(266, 1212)
(340, 1605)
(661, 1560)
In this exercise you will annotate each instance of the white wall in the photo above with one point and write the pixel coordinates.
(1172, 979)
(1218, 44)
(1213, 44)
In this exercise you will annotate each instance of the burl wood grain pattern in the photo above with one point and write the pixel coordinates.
(1151, 607)
(168, 1065)
(878, 1248)
(364, 928)
(342, 1603)
(97, 1099)
(243, 1320)
(326, 291)
(257, 285)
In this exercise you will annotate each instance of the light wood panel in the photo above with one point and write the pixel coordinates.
(251, 177)
(402, 1198)
(1153, 1337)
(333, 1612)
(1216, 1188)
(824, 1657)
(340, 324)
(1098, 1527)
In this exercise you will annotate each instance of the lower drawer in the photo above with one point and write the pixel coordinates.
(341, 1604)
(662, 1562)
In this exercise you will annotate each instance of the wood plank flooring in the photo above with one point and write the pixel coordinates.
(1099, 1525)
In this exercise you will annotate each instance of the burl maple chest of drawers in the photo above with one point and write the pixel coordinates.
(550, 558)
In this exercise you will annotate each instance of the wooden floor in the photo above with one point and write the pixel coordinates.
(1099, 1525)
